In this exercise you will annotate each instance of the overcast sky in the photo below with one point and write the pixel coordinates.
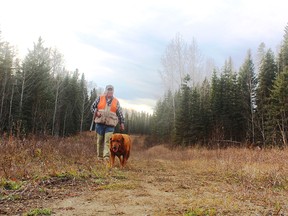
(121, 42)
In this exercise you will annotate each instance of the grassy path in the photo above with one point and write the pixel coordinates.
(160, 181)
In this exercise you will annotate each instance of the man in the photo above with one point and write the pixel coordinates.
(107, 113)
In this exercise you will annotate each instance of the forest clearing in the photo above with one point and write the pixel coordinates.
(62, 177)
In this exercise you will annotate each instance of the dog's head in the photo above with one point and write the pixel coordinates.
(116, 141)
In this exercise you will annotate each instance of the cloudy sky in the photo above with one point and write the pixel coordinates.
(121, 42)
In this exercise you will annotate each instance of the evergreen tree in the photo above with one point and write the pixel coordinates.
(58, 73)
(283, 55)
(36, 105)
(163, 120)
(6, 84)
(266, 78)
(228, 100)
(247, 84)
(84, 104)
(157, 130)
(195, 132)
(73, 105)
(261, 51)
(216, 108)
(183, 123)
(205, 110)
(279, 108)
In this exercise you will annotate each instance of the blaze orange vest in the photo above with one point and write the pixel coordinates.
(102, 104)
(108, 113)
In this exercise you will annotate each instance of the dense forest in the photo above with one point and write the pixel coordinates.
(40, 97)
(246, 106)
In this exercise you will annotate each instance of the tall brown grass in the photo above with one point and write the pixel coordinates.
(225, 180)
(36, 157)
(252, 167)
(232, 181)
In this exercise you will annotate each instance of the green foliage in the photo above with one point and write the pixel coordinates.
(267, 75)
(163, 120)
(283, 55)
(10, 185)
(247, 91)
(39, 96)
(201, 212)
(183, 123)
(237, 106)
(279, 108)
(35, 212)
(7, 84)
(137, 122)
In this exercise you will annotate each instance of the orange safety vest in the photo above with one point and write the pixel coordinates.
(108, 113)
(102, 104)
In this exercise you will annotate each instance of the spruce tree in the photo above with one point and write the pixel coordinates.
(183, 122)
(7, 81)
(36, 104)
(266, 78)
(283, 55)
(247, 85)
(205, 110)
(278, 107)
(216, 108)
(196, 123)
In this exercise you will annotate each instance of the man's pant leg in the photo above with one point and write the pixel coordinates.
(100, 146)
(106, 152)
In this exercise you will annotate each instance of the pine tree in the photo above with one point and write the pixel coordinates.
(205, 110)
(36, 104)
(247, 83)
(227, 97)
(84, 103)
(216, 108)
(162, 121)
(58, 73)
(260, 56)
(195, 119)
(183, 123)
(266, 78)
(283, 55)
(6, 84)
(279, 107)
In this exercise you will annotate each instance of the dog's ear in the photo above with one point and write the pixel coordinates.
(110, 139)
(122, 140)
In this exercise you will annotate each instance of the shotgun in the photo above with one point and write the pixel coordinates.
(92, 123)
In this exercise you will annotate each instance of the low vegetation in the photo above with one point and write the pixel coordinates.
(35, 173)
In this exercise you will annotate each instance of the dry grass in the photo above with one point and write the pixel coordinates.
(233, 181)
(36, 158)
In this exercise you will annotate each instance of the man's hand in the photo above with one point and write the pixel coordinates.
(97, 114)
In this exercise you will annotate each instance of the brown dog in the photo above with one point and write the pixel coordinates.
(120, 146)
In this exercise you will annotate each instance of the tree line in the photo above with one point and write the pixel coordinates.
(39, 96)
(201, 105)
(248, 106)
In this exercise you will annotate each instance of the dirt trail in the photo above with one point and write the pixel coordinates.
(147, 187)
(149, 191)
(158, 181)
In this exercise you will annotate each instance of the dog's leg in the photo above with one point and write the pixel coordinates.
(112, 159)
(124, 160)
(121, 160)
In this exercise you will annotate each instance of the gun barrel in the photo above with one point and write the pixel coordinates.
(92, 124)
